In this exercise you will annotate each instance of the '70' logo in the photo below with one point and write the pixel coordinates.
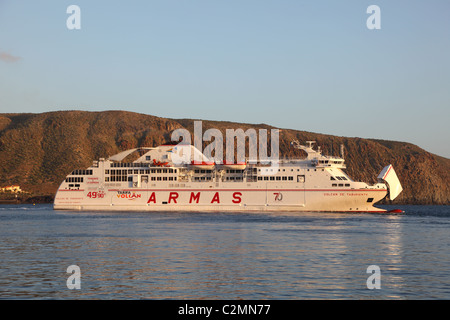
(278, 196)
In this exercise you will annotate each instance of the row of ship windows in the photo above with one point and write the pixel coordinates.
(329, 161)
(141, 171)
(339, 178)
(82, 173)
(126, 165)
(340, 185)
(143, 178)
(208, 178)
(74, 179)
(271, 178)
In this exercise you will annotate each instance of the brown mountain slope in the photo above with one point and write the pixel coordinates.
(38, 150)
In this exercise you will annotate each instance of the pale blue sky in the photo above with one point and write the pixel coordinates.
(306, 65)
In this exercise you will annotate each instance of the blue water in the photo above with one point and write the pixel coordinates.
(125, 255)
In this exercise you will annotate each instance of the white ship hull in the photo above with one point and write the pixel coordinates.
(187, 199)
(294, 186)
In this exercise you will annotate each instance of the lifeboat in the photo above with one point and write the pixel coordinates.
(159, 163)
(205, 165)
(236, 166)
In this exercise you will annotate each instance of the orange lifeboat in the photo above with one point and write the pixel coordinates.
(159, 163)
(236, 166)
(205, 165)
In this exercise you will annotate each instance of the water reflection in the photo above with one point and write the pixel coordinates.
(222, 256)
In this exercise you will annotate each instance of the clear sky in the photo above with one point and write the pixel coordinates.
(301, 64)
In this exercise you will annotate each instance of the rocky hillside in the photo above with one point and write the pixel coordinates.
(38, 150)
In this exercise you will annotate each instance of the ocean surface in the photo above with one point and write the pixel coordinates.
(126, 255)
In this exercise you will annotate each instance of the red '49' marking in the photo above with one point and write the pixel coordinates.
(93, 194)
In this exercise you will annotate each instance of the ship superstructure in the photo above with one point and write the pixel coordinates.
(180, 178)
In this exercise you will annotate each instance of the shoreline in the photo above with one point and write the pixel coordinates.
(26, 200)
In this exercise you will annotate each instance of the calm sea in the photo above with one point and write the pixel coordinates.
(125, 255)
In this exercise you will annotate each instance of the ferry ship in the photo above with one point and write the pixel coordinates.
(158, 181)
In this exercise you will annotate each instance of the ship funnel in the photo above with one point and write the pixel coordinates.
(342, 151)
(389, 176)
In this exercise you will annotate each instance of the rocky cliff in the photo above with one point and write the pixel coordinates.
(38, 150)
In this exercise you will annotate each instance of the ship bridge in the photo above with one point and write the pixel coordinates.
(317, 159)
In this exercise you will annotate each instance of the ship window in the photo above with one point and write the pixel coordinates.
(158, 178)
(259, 178)
(341, 185)
(153, 178)
(136, 171)
(278, 178)
(130, 178)
(74, 179)
(272, 178)
(369, 199)
(344, 178)
(283, 178)
(106, 179)
(347, 184)
(148, 158)
(291, 178)
(332, 178)
(339, 178)
(334, 185)
(266, 178)
(164, 178)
